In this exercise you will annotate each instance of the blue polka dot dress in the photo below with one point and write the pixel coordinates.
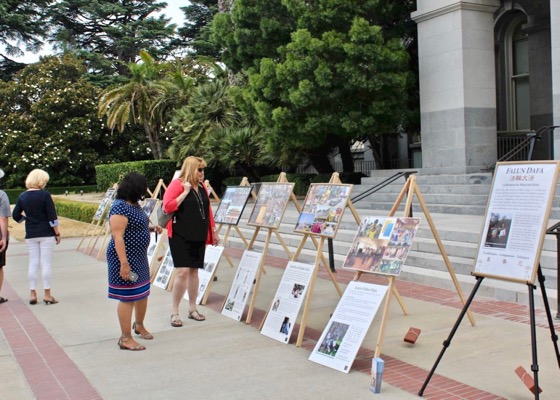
(136, 239)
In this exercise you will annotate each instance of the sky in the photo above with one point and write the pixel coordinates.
(172, 11)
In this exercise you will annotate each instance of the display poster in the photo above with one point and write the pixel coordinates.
(148, 206)
(165, 271)
(205, 275)
(152, 247)
(381, 245)
(287, 301)
(323, 208)
(242, 285)
(340, 341)
(515, 223)
(270, 205)
(232, 205)
(106, 201)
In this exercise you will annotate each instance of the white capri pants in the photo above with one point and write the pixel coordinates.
(40, 255)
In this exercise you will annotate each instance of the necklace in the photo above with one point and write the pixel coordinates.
(198, 197)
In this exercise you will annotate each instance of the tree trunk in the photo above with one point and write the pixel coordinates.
(152, 134)
(319, 158)
(346, 156)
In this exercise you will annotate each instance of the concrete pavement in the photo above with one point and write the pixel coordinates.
(69, 350)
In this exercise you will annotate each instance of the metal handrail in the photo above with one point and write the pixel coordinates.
(381, 185)
(528, 142)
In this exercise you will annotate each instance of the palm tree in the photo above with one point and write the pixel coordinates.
(134, 101)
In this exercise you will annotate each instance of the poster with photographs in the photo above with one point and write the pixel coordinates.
(232, 205)
(287, 301)
(164, 272)
(242, 285)
(205, 275)
(270, 205)
(516, 218)
(323, 208)
(105, 202)
(148, 206)
(381, 244)
(340, 341)
(155, 241)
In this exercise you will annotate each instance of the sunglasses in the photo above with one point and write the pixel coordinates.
(200, 169)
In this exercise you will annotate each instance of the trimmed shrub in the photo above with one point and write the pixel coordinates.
(77, 210)
(154, 170)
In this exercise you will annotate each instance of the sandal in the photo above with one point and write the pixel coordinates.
(3, 300)
(176, 321)
(196, 316)
(147, 335)
(51, 301)
(125, 338)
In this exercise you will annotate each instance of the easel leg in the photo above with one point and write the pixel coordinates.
(259, 275)
(384, 319)
(447, 342)
(224, 242)
(553, 334)
(535, 365)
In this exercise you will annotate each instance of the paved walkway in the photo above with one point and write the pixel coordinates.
(69, 351)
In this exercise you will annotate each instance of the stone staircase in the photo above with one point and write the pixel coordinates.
(456, 204)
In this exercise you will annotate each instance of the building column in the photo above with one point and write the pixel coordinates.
(555, 56)
(457, 85)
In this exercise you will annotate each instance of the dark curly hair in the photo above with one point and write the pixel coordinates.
(133, 187)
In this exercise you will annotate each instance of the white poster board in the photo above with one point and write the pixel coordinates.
(155, 240)
(516, 217)
(242, 285)
(340, 341)
(287, 301)
(205, 275)
(164, 272)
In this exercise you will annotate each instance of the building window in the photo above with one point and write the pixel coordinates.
(517, 82)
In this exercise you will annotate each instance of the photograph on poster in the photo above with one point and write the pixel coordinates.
(333, 338)
(498, 230)
(323, 208)
(107, 199)
(381, 245)
(271, 204)
(148, 206)
(287, 301)
(232, 205)
(164, 272)
(152, 246)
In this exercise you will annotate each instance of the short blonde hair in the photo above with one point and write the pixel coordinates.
(37, 179)
(189, 169)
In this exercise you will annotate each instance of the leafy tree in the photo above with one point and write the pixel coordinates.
(338, 80)
(195, 34)
(22, 28)
(111, 33)
(132, 103)
(48, 120)
(253, 30)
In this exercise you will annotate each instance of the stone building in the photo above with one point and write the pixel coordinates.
(489, 71)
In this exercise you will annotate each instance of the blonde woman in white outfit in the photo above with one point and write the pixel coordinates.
(36, 207)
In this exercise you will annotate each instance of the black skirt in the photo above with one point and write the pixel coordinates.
(185, 253)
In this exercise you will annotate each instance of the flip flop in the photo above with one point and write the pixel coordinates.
(196, 316)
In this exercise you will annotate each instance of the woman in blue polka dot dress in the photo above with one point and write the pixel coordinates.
(129, 271)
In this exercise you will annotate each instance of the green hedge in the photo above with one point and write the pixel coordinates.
(13, 194)
(153, 170)
(76, 210)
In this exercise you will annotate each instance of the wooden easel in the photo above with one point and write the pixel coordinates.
(97, 221)
(245, 182)
(261, 271)
(155, 193)
(409, 189)
(211, 191)
(226, 236)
